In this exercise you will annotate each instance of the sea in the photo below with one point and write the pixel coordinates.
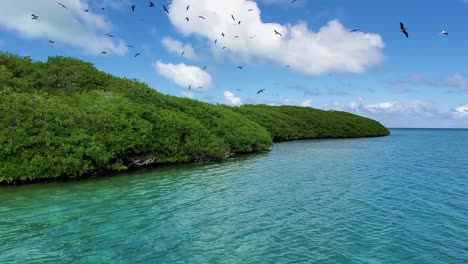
(396, 199)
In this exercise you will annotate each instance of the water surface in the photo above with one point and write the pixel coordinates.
(396, 199)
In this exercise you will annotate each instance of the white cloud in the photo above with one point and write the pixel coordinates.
(460, 112)
(456, 81)
(184, 75)
(178, 47)
(71, 26)
(231, 98)
(332, 48)
(307, 103)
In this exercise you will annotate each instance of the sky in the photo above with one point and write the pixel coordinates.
(315, 60)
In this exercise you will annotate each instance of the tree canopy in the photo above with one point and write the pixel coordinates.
(64, 118)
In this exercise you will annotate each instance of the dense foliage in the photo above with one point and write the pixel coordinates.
(64, 118)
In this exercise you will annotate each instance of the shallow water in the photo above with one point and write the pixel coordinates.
(396, 199)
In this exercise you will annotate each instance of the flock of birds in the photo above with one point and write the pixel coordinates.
(403, 29)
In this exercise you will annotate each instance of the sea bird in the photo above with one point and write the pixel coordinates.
(130, 46)
(240, 67)
(188, 19)
(133, 8)
(34, 17)
(277, 33)
(443, 32)
(51, 41)
(62, 5)
(110, 36)
(188, 7)
(260, 91)
(403, 29)
(354, 30)
(151, 4)
(165, 9)
(86, 10)
(202, 17)
(233, 17)
(136, 54)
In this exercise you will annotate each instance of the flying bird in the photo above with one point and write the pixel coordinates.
(233, 17)
(443, 32)
(222, 34)
(188, 19)
(165, 9)
(190, 86)
(202, 17)
(204, 68)
(188, 7)
(151, 4)
(102, 8)
(250, 10)
(253, 36)
(110, 36)
(182, 54)
(224, 47)
(293, 1)
(51, 41)
(260, 91)
(86, 10)
(34, 17)
(216, 41)
(354, 30)
(287, 66)
(236, 36)
(62, 5)
(136, 54)
(133, 8)
(240, 67)
(403, 29)
(103, 52)
(277, 33)
(130, 46)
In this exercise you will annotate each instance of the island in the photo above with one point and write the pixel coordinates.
(63, 118)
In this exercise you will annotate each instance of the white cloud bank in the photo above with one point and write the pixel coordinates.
(178, 47)
(184, 75)
(461, 112)
(307, 103)
(331, 48)
(231, 98)
(72, 26)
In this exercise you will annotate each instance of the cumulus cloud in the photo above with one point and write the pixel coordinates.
(71, 26)
(184, 75)
(307, 103)
(178, 47)
(415, 113)
(331, 48)
(231, 98)
(461, 112)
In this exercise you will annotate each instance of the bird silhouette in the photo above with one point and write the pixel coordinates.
(188, 19)
(188, 7)
(103, 52)
(34, 17)
(190, 86)
(110, 36)
(51, 41)
(222, 34)
(236, 36)
(287, 66)
(233, 17)
(165, 9)
(202, 17)
(204, 68)
(63, 5)
(253, 36)
(443, 32)
(224, 47)
(260, 91)
(182, 53)
(86, 10)
(293, 1)
(240, 67)
(403, 29)
(250, 10)
(136, 54)
(130, 46)
(277, 33)
(133, 8)
(354, 30)
(151, 4)
(216, 41)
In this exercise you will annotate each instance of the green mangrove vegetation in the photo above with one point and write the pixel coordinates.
(63, 118)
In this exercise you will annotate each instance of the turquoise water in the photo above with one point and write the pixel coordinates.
(396, 199)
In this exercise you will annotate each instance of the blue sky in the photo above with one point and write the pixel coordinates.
(421, 81)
